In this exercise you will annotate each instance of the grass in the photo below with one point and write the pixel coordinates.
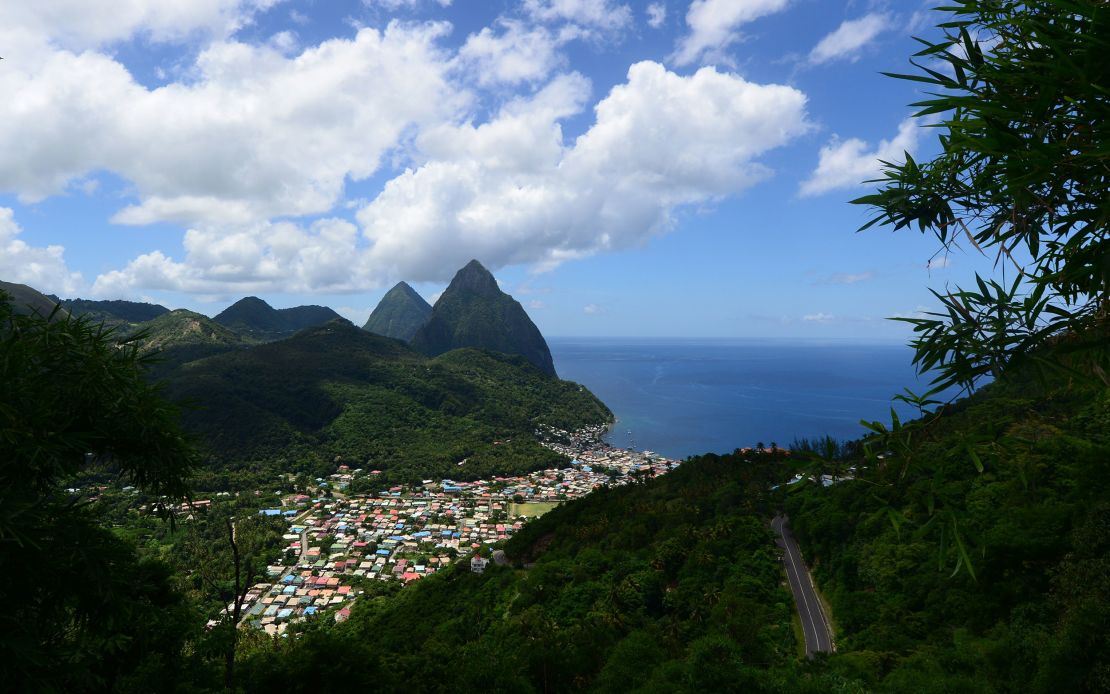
(531, 509)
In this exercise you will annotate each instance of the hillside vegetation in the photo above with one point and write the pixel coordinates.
(114, 313)
(946, 577)
(336, 391)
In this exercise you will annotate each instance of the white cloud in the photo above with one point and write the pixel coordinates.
(536, 305)
(512, 54)
(715, 24)
(255, 135)
(593, 310)
(849, 39)
(394, 5)
(848, 163)
(818, 317)
(90, 23)
(266, 257)
(510, 191)
(42, 268)
(657, 14)
(595, 14)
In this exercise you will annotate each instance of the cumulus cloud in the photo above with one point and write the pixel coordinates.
(596, 14)
(657, 14)
(511, 54)
(43, 268)
(394, 5)
(255, 135)
(510, 191)
(848, 163)
(89, 23)
(266, 257)
(849, 39)
(818, 317)
(714, 25)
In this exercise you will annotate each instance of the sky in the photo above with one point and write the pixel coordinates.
(674, 168)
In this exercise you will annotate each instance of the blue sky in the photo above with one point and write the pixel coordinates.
(668, 168)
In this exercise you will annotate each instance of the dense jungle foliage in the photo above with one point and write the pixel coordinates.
(1009, 489)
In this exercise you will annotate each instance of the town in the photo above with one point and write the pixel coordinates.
(407, 532)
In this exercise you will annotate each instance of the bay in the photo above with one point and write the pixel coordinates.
(683, 397)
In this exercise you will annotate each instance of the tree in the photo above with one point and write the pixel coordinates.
(1023, 94)
(228, 555)
(88, 613)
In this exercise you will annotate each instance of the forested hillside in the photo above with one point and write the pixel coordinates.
(338, 391)
(977, 558)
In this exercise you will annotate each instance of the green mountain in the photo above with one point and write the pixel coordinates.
(255, 319)
(474, 312)
(183, 336)
(399, 314)
(26, 299)
(121, 313)
(338, 391)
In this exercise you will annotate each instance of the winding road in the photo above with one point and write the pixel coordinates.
(815, 626)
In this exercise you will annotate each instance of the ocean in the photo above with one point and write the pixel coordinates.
(684, 397)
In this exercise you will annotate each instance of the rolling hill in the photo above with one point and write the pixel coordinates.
(256, 320)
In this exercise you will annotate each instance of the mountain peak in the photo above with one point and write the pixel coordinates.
(475, 279)
(399, 314)
(255, 318)
(474, 312)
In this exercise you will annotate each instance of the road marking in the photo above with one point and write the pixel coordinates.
(793, 564)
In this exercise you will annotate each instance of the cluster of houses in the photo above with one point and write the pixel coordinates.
(407, 532)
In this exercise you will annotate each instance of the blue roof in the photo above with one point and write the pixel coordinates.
(290, 513)
(270, 512)
(288, 590)
(587, 468)
(309, 611)
(288, 578)
(383, 552)
(422, 533)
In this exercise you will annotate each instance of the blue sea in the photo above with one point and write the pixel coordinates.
(686, 397)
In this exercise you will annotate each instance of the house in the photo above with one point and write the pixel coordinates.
(478, 564)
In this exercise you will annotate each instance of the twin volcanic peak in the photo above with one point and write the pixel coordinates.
(399, 314)
(474, 312)
(254, 318)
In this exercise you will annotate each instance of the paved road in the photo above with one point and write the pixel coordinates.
(818, 636)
